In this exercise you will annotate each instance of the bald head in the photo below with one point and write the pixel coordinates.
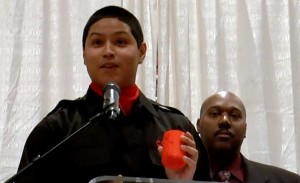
(223, 95)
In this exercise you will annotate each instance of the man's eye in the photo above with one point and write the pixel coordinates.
(121, 42)
(97, 42)
(235, 116)
(214, 114)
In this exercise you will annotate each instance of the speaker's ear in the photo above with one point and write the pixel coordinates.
(142, 49)
(83, 55)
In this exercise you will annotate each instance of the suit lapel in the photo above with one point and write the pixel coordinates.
(254, 172)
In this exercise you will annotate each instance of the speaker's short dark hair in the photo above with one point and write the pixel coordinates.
(119, 13)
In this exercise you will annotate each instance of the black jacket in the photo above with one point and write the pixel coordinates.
(126, 146)
(262, 173)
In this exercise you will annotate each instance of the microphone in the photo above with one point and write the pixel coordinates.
(111, 94)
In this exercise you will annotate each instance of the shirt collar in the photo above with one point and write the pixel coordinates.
(128, 96)
(235, 168)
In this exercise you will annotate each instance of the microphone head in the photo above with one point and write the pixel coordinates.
(111, 94)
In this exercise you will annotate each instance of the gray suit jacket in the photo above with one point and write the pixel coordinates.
(262, 173)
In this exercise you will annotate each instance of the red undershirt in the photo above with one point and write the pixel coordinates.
(128, 95)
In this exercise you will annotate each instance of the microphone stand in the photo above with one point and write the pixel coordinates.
(39, 157)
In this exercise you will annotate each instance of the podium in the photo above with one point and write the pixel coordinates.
(120, 179)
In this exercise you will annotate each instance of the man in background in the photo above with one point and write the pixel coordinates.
(222, 127)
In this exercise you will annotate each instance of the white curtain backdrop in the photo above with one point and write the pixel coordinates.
(249, 47)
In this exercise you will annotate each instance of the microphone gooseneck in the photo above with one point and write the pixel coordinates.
(111, 94)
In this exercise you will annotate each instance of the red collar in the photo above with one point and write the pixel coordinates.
(128, 95)
(235, 168)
